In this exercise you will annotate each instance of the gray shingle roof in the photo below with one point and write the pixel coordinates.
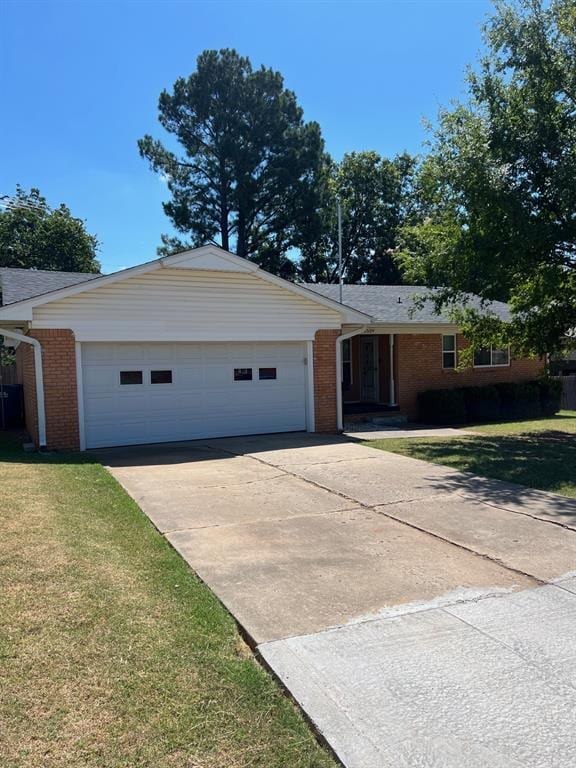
(19, 284)
(393, 303)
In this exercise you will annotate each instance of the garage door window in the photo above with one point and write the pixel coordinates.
(266, 374)
(242, 374)
(160, 377)
(130, 377)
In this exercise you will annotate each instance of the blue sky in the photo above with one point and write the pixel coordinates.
(80, 83)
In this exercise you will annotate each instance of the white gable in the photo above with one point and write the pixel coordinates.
(209, 257)
(188, 304)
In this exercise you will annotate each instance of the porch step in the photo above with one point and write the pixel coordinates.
(389, 421)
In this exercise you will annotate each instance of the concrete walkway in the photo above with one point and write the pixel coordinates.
(421, 616)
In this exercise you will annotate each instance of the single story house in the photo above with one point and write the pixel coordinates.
(206, 344)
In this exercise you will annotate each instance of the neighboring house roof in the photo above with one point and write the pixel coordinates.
(20, 284)
(394, 303)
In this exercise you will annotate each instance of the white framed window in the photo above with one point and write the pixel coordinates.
(449, 351)
(491, 357)
(346, 363)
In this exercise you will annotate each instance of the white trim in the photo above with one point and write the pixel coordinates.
(80, 396)
(403, 328)
(391, 383)
(310, 404)
(22, 310)
(339, 340)
(39, 374)
(491, 364)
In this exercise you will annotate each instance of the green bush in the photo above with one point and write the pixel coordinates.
(509, 400)
(482, 404)
(550, 396)
(520, 400)
(442, 406)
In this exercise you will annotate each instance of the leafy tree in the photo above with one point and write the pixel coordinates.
(246, 173)
(376, 200)
(498, 185)
(33, 236)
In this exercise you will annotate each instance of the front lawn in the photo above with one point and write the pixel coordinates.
(112, 652)
(539, 454)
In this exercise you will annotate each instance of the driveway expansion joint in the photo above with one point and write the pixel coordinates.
(375, 509)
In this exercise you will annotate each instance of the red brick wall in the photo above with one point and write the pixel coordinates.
(419, 367)
(60, 394)
(325, 380)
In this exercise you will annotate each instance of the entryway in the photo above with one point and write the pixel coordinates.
(369, 369)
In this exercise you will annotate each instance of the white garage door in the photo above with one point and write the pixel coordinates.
(157, 392)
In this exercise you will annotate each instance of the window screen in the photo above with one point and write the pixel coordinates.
(346, 364)
(449, 351)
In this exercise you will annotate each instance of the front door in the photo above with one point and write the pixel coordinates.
(369, 369)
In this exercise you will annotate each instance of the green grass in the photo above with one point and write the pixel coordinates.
(564, 421)
(112, 652)
(539, 454)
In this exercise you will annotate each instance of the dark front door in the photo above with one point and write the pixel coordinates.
(369, 369)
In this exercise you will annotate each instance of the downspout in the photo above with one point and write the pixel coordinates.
(339, 340)
(39, 380)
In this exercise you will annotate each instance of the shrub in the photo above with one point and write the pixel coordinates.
(550, 396)
(442, 406)
(520, 400)
(482, 403)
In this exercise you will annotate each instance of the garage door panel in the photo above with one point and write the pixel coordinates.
(203, 399)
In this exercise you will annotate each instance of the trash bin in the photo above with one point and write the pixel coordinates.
(11, 406)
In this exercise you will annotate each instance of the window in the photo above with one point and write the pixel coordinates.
(346, 364)
(160, 377)
(449, 351)
(265, 374)
(130, 377)
(491, 357)
(242, 374)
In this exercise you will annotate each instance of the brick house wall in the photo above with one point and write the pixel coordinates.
(325, 380)
(419, 367)
(60, 393)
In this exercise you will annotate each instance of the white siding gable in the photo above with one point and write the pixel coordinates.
(184, 304)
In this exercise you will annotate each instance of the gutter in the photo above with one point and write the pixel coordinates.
(39, 380)
(339, 340)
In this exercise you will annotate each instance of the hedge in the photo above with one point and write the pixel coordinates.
(498, 402)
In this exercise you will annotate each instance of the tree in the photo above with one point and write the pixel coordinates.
(376, 200)
(246, 176)
(498, 185)
(33, 236)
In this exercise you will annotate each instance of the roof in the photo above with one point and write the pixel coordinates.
(394, 303)
(207, 257)
(20, 284)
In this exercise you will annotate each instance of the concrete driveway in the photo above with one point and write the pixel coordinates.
(420, 616)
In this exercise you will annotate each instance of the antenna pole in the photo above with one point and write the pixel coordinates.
(340, 281)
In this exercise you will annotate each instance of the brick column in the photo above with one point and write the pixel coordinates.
(325, 380)
(60, 393)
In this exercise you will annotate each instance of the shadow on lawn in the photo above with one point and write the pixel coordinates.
(545, 461)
